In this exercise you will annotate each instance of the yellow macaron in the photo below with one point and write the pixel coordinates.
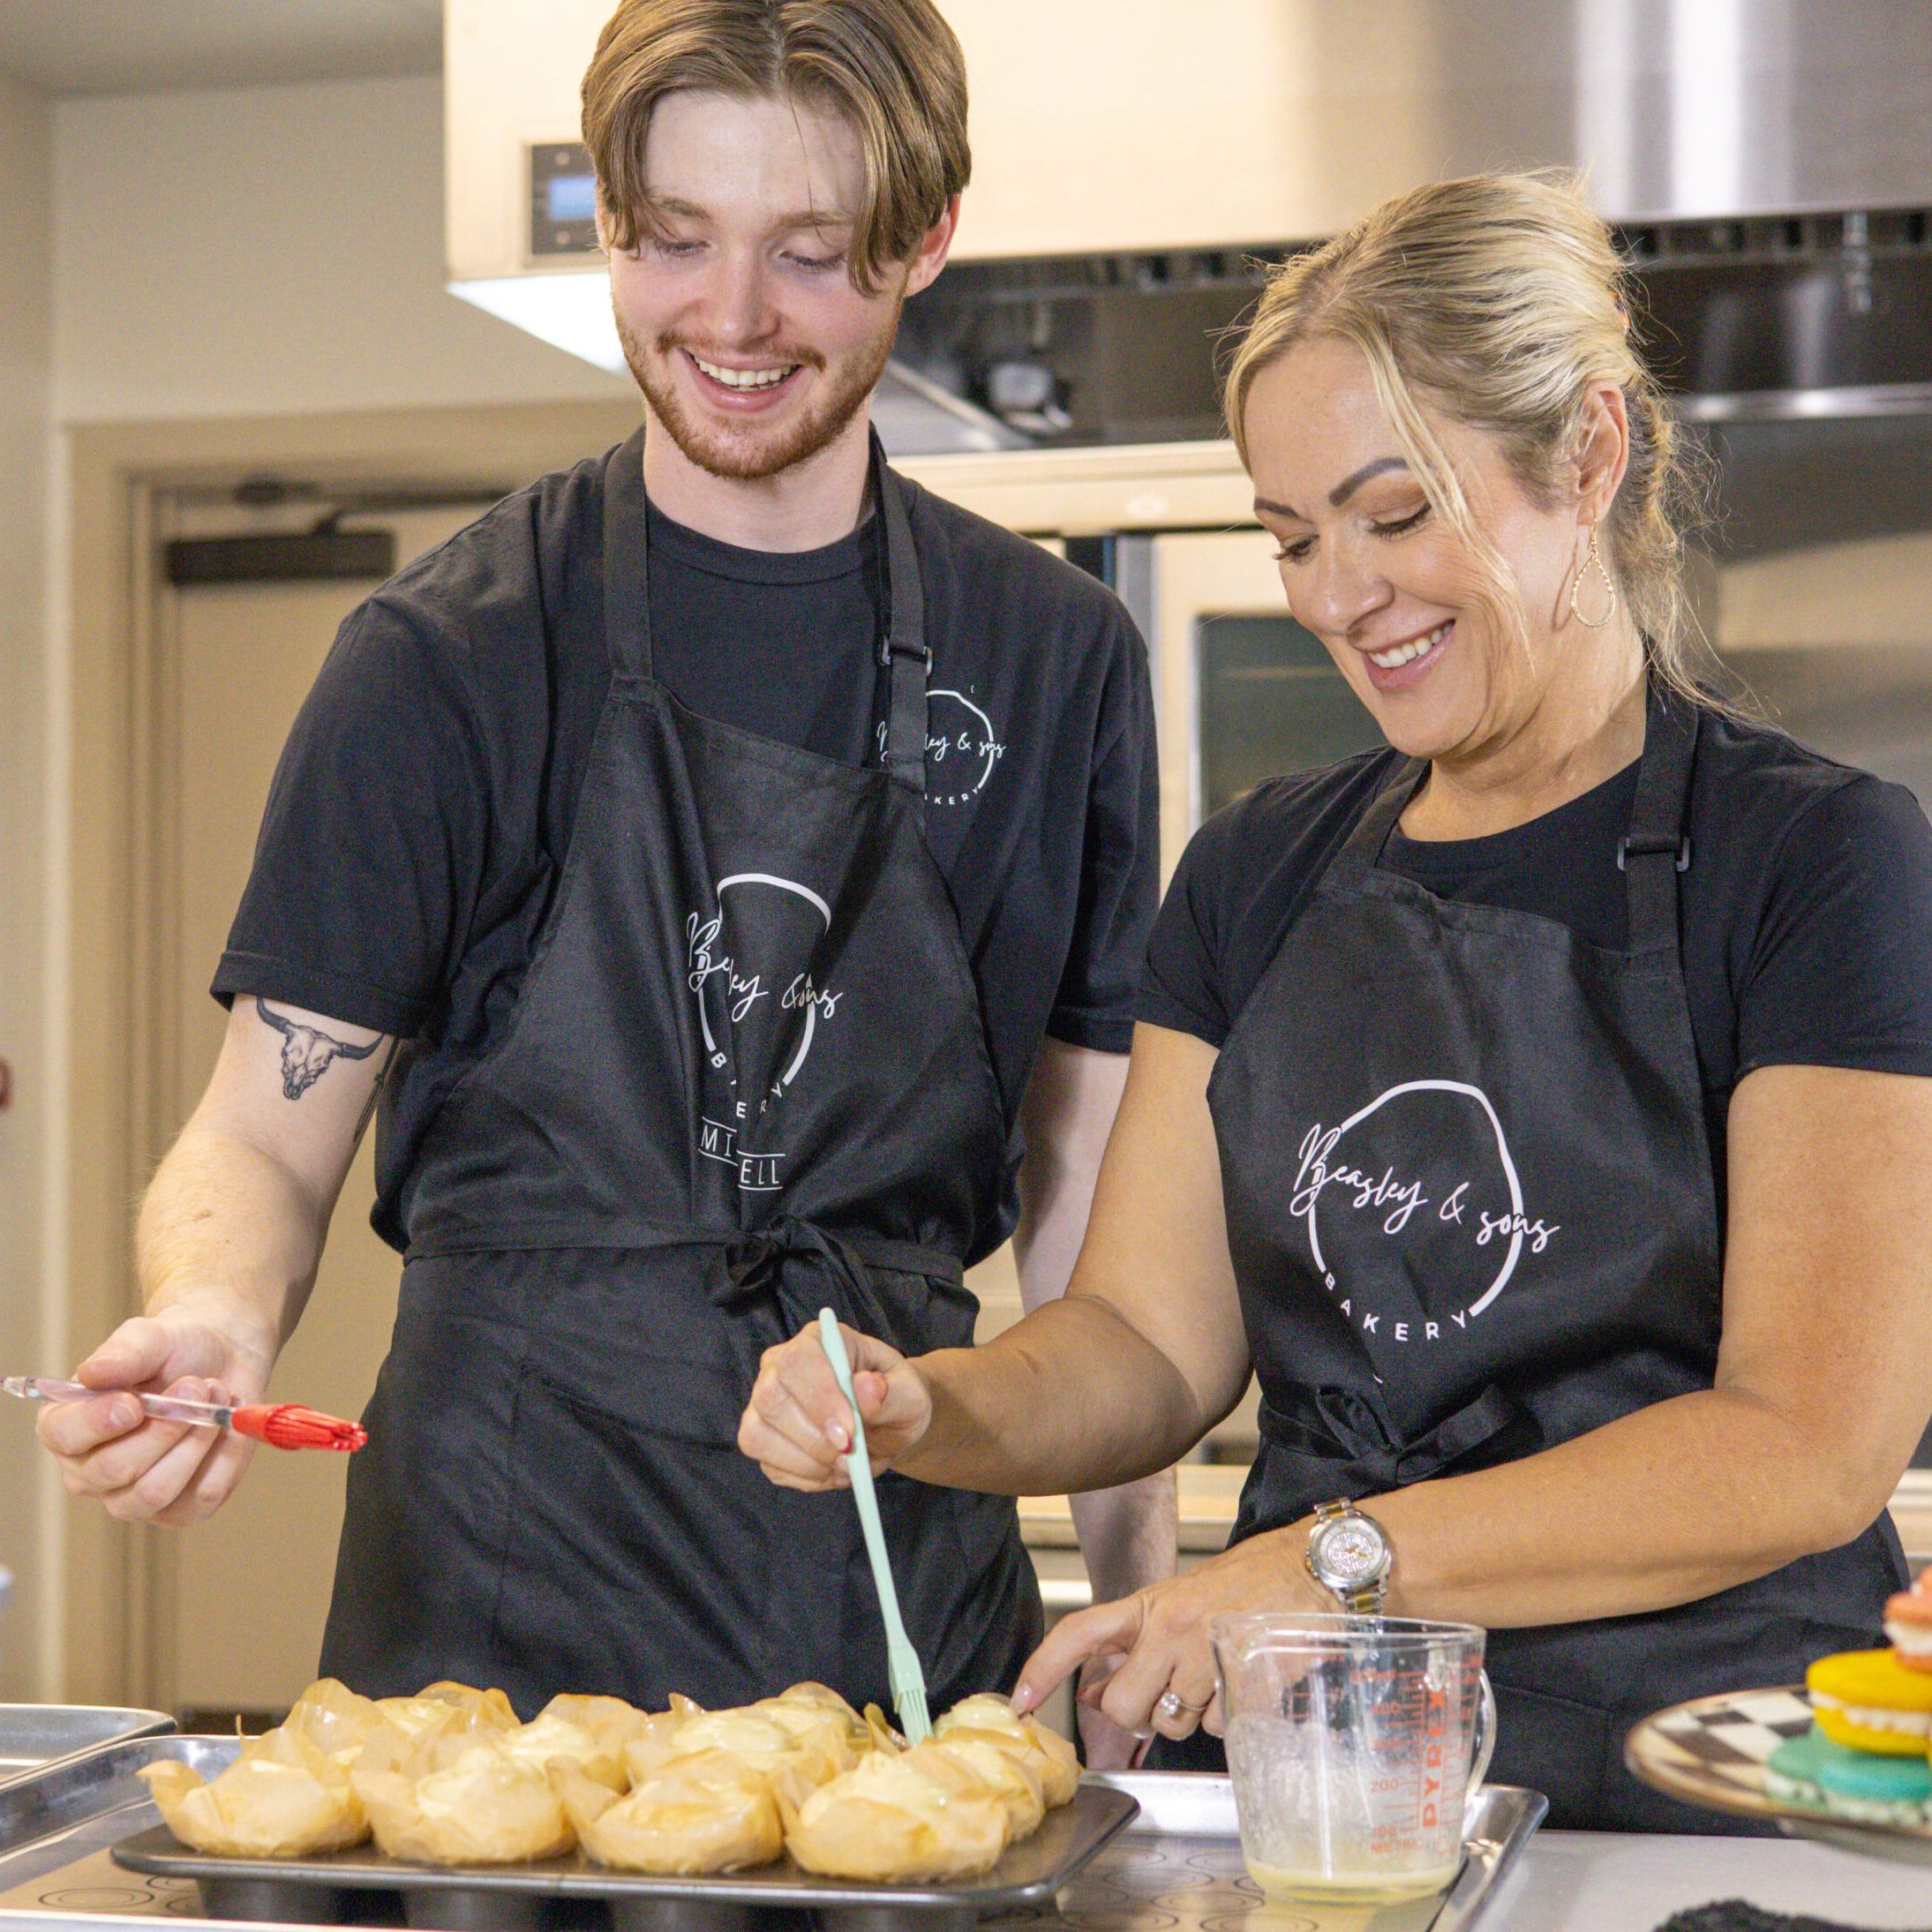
(1867, 1700)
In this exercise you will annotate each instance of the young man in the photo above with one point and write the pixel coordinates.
(753, 856)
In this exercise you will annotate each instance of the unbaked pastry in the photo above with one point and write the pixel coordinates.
(449, 1710)
(1049, 1754)
(588, 1734)
(655, 1739)
(1011, 1777)
(336, 1720)
(459, 1802)
(791, 1764)
(898, 1816)
(282, 1797)
(704, 1811)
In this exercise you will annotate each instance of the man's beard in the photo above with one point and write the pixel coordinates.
(753, 452)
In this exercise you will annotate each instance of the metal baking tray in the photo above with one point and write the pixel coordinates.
(517, 1897)
(34, 1736)
(1174, 1867)
(1181, 1865)
(80, 1805)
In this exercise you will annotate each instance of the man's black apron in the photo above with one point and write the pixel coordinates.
(746, 1077)
(1472, 1213)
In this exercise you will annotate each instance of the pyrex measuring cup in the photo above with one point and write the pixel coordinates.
(1353, 1743)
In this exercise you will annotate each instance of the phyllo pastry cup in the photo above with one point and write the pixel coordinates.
(448, 1710)
(788, 1764)
(898, 1817)
(1006, 1774)
(282, 1797)
(461, 1803)
(336, 1720)
(587, 1734)
(703, 1812)
(1045, 1751)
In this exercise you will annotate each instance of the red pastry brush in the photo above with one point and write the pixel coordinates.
(281, 1425)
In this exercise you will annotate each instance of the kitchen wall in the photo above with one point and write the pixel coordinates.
(258, 251)
(25, 764)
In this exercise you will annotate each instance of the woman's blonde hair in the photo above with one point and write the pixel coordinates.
(890, 69)
(1498, 300)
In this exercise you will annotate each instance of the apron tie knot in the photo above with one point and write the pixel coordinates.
(752, 1268)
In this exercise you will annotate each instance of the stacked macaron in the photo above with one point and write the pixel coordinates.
(1865, 1755)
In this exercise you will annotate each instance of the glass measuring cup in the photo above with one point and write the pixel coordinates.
(1354, 1743)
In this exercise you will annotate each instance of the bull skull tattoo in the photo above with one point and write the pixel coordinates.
(308, 1052)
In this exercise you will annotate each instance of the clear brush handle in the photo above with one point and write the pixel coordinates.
(908, 1678)
(47, 1388)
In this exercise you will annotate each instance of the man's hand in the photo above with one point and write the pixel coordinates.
(148, 1471)
(226, 1249)
(798, 1425)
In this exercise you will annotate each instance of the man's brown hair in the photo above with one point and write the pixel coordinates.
(891, 69)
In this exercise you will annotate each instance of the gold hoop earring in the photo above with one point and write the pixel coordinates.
(1593, 561)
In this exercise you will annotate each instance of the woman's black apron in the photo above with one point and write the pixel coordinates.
(1472, 1213)
(746, 1077)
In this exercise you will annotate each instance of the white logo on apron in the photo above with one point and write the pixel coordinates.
(1365, 1204)
(961, 748)
(731, 978)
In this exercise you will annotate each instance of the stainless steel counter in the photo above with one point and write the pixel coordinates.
(1564, 1882)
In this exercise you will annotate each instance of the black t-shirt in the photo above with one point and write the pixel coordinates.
(1806, 913)
(419, 818)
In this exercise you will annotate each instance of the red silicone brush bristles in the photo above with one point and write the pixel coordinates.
(288, 1425)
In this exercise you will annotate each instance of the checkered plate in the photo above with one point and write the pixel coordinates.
(1711, 1752)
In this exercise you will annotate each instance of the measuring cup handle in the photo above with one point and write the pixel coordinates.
(1486, 1736)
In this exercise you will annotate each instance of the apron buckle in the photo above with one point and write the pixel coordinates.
(890, 648)
(1640, 848)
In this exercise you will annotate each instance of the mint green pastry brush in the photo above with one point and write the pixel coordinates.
(908, 1681)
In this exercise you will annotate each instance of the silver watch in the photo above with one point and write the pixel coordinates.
(1348, 1555)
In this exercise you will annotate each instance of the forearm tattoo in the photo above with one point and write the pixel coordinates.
(308, 1052)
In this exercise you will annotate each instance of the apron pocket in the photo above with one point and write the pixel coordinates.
(1553, 1745)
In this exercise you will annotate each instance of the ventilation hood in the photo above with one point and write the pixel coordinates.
(1769, 162)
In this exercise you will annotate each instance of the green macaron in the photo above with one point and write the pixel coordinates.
(1863, 1785)
(1876, 1790)
(1791, 1772)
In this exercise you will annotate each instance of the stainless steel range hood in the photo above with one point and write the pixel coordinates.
(1768, 161)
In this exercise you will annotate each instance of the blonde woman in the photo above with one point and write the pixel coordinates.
(1539, 1108)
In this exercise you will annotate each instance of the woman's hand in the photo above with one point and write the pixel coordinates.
(797, 1427)
(1167, 1683)
(143, 1470)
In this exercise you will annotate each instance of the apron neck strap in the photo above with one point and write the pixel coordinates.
(1363, 849)
(1650, 855)
(626, 564)
(1657, 847)
(903, 651)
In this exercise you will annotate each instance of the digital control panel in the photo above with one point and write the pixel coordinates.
(562, 201)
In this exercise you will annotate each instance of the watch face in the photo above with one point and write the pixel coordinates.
(1351, 1551)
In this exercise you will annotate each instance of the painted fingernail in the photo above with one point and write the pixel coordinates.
(1023, 1699)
